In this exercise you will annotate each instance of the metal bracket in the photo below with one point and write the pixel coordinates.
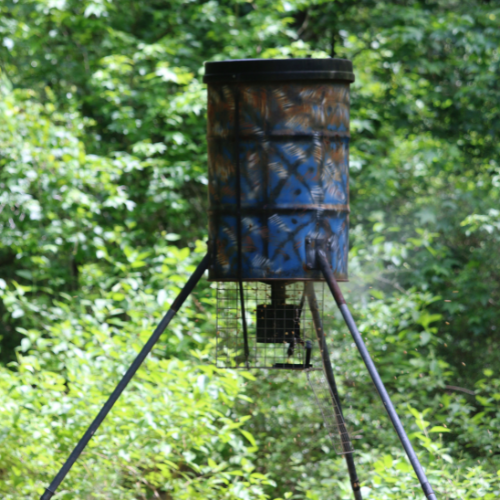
(298, 366)
(312, 247)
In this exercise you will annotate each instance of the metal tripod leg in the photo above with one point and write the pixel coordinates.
(188, 288)
(327, 367)
(339, 299)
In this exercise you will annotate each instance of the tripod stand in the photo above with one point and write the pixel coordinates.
(322, 261)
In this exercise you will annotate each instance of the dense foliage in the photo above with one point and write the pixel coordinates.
(102, 218)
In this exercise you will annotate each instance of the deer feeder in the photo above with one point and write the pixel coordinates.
(278, 161)
(278, 164)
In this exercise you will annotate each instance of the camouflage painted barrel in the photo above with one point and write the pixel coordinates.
(278, 135)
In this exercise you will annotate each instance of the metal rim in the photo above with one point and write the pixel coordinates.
(267, 70)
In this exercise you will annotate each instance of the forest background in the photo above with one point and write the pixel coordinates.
(103, 203)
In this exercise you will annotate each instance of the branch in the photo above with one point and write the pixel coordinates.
(459, 389)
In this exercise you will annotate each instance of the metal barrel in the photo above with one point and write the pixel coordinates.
(278, 160)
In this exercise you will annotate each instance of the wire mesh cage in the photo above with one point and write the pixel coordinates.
(276, 330)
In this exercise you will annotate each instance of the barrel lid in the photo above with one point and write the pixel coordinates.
(264, 70)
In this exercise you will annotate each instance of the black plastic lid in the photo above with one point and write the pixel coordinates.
(264, 70)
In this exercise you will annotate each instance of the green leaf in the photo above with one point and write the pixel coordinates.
(439, 428)
(249, 437)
